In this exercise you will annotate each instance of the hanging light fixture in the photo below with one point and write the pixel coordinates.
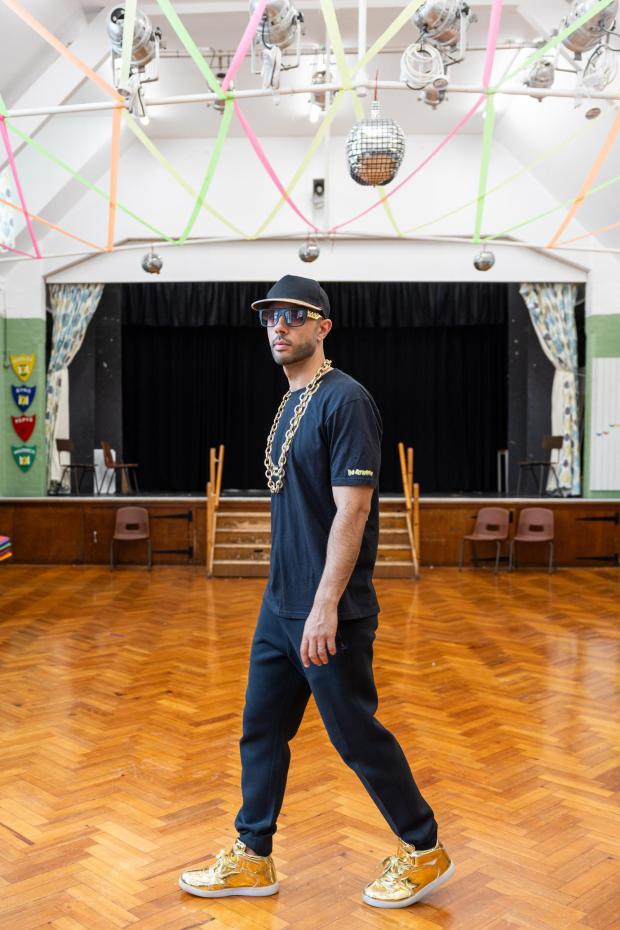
(593, 31)
(375, 149)
(541, 75)
(309, 252)
(318, 100)
(279, 28)
(152, 263)
(146, 44)
(484, 260)
(444, 23)
(435, 93)
(421, 65)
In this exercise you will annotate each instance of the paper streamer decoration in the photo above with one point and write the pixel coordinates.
(39, 219)
(244, 44)
(588, 235)
(9, 152)
(129, 20)
(190, 46)
(591, 177)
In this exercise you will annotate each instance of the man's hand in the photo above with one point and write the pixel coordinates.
(319, 637)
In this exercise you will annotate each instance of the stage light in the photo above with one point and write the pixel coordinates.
(541, 74)
(484, 260)
(600, 71)
(146, 45)
(310, 251)
(152, 263)
(318, 101)
(444, 24)
(435, 93)
(375, 149)
(279, 28)
(421, 65)
(591, 33)
(593, 113)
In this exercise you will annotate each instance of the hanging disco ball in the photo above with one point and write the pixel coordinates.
(484, 260)
(310, 251)
(375, 149)
(593, 30)
(152, 263)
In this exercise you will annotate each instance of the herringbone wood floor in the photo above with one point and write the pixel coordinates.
(120, 711)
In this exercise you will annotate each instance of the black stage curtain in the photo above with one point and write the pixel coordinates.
(197, 371)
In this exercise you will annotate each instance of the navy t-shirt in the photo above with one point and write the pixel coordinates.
(338, 442)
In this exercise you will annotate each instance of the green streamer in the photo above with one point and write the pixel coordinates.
(487, 147)
(173, 18)
(389, 33)
(129, 20)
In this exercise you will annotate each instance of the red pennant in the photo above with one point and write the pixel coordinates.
(24, 427)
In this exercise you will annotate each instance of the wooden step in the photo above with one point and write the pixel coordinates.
(237, 568)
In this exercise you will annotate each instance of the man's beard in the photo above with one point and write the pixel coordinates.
(299, 353)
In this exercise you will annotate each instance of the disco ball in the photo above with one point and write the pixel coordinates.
(593, 30)
(309, 252)
(152, 263)
(375, 149)
(484, 260)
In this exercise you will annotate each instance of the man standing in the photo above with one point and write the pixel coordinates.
(318, 618)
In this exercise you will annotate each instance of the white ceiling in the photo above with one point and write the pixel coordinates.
(524, 125)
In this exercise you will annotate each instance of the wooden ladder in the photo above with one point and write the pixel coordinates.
(412, 504)
(214, 487)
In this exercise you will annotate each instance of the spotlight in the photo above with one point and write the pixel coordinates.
(145, 48)
(279, 28)
(318, 101)
(435, 93)
(375, 149)
(593, 113)
(310, 251)
(218, 103)
(444, 23)
(421, 65)
(152, 263)
(593, 30)
(318, 193)
(600, 70)
(484, 260)
(541, 74)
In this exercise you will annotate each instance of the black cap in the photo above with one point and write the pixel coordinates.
(292, 289)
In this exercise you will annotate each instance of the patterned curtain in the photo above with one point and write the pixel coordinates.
(73, 306)
(7, 224)
(552, 311)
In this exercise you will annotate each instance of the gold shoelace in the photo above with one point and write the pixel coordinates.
(275, 473)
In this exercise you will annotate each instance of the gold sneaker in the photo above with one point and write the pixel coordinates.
(409, 876)
(234, 872)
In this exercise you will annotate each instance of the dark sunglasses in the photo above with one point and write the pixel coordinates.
(293, 316)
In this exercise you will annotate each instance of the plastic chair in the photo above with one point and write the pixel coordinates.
(536, 525)
(529, 467)
(67, 445)
(491, 526)
(127, 469)
(131, 523)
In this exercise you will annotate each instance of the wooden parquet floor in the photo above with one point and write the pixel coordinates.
(120, 704)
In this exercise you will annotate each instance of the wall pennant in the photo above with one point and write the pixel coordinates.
(23, 396)
(23, 365)
(24, 426)
(24, 456)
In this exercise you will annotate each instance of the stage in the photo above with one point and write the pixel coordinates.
(73, 530)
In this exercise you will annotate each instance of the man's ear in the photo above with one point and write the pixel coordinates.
(324, 328)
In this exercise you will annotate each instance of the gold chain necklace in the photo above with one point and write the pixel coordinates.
(275, 473)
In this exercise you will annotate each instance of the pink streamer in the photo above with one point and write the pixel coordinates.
(267, 166)
(17, 251)
(492, 36)
(244, 44)
(9, 151)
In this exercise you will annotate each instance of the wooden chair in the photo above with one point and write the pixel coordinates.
(491, 526)
(68, 446)
(536, 524)
(132, 523)
(126, 469)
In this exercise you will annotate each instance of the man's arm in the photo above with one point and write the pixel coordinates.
(343, 547)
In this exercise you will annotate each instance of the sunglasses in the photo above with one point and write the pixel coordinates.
(293, 316)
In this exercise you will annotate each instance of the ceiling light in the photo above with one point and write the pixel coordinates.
(375, 149)
(145, 49)
(541, 75)
(279, 28)
(444, 23)
(435, 93)
(593, 30)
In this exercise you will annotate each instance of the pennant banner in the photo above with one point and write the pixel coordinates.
(23, 365)
(24, 456)
(23, 396)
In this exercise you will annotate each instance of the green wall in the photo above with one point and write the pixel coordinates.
(602, 341)
(23, 337)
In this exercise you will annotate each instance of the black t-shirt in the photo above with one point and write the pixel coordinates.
(338, 442)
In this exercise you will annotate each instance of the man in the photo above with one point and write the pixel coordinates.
(318, 618)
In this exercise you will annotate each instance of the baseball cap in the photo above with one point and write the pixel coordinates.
(293, 289)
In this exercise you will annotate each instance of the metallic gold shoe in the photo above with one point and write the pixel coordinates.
(409, 876)
(234, 872)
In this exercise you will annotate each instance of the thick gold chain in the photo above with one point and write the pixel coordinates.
(275, 473)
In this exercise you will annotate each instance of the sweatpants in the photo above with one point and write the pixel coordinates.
(344, 690)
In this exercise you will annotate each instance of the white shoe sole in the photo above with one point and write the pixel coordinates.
(406, 902)
(227, 892)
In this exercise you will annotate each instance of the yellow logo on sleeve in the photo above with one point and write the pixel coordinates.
(360, 472)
